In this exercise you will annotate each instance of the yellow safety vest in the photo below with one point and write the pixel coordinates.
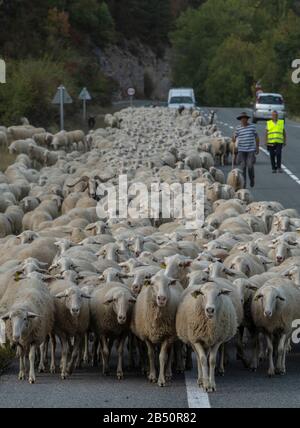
(275, 132)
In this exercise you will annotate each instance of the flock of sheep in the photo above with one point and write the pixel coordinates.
(150, 285)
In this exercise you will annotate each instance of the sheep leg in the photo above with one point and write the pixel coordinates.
(95, 352)
(169, 374)
(271, 371)
(204, 365)
(240, 347)
(53, 349)
(120, 350)
(221, 368)
(212, 366)
(179, 358)
(42, 368)
(86, 350)
(200, 374)
(75, 352)
(152, 375)
(142, 357)
(22, 370)
(105, 355)
(163, 359)
(46, 351)
(280, 368)
(64, 356)
(254, 359)
(78, 363)
(131, 351)
(31, 362)
(189, 360)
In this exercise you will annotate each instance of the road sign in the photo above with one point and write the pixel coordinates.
(62, 97)
(66, 97)
(131, 92)
(85, 95)
(2, 71)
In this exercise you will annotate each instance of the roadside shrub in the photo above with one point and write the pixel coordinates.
(30, 88)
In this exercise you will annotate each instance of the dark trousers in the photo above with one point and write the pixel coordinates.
(247, 160)
(276, 156)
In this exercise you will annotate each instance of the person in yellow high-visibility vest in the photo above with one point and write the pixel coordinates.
(275, 141)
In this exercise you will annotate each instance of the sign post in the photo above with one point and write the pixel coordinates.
(131, 94)
(62, 97)
(84, 96)
(2, 71)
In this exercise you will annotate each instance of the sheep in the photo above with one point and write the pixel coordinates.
(153, 321)
(29, 320)
(274, 308)
(205, 320)
(60, 140)
(217, 174)
(5, 226)
(282, 250)
(246, 263)
(29, 203)
(22, 132)
(219, 149)
(177, 267)
(236, 180)
(244, 195)
(43, 139)
(111, 308)
(141, 276)
(71, 319)
(21, 146)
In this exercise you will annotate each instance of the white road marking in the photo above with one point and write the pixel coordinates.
(285, 169)
(197, 399)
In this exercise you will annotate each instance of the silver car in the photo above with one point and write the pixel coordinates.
(265, 104)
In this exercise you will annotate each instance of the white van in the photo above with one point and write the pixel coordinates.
(182, 97)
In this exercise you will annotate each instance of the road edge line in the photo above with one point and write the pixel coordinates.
(197, 398)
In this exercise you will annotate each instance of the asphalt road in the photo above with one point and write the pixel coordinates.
(239, 387)
(271, 187)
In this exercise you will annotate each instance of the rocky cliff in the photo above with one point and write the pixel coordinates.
(136, 65)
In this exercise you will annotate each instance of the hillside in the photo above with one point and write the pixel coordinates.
(220, 47)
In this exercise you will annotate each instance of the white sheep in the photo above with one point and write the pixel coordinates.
(205, 320)
(29, 320)
(111, 308)
(153, 322)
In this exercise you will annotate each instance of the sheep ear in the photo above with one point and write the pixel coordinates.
(224, 292)
(32, 315)
(108, 301)
(61, 295)
(258, 297)
(5, 317)
(252, 287)
(85, 296)
(229, 272)
(196, 294)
